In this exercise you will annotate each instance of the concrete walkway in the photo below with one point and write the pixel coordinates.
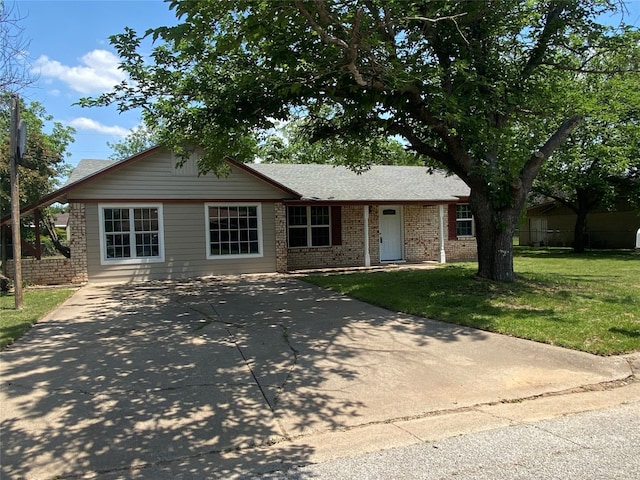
(238, 375)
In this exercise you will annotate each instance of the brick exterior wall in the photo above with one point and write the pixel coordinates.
(349, 254)
(47, 271)
(459, 249)
(463, 250)
(60, 270)
(78, 232)
(421, 237)
(421, 240)
(281, 237)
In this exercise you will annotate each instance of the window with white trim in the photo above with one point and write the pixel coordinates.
(464, 220)
(309, 226)
(233, 229)
(131, 234)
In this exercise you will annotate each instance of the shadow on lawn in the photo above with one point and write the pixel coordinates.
(626, 332)
(451, 294)
(181, 378)
(568, 253)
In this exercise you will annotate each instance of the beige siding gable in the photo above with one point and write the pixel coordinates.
(155, 177)
(188, 168)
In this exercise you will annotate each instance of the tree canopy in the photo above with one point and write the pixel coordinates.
(481, 87)
(139, 139)
(599, 163)
(43, 163)
(290, 144)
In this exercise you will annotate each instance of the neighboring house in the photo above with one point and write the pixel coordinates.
(551, 224)
(143, 218)
(61, 220)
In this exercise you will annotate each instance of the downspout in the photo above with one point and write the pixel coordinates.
(367, 255)
(442, 257)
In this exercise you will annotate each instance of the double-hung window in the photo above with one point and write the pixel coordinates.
(309, 226)
(233, 229)
(464, 220)
(131, 234)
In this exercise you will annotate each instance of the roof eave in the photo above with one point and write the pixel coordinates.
(377, 201)
(247, 168)
(62, 192)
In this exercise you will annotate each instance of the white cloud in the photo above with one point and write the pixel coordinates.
(98, 72)
(84, 123)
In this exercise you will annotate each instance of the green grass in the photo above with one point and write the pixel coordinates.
(36, 303)
(588, 302)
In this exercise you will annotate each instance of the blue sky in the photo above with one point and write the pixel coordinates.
(70, 55)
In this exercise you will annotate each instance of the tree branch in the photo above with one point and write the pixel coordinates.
(453, 18)
(531, 168)
(326, 37)
(540, 49)
(564, 202)
(350, 49)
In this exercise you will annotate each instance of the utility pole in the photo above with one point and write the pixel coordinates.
(15, 145)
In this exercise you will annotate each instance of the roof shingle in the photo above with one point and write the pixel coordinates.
(379, 183)
(87, 167)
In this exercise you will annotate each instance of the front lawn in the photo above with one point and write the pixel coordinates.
(14, 323)
(588, 302)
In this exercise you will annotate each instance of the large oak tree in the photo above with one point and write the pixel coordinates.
(599, 164)
(480, 87)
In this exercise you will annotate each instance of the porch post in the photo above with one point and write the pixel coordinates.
(367, 256)
(36, 223)
(442, 257)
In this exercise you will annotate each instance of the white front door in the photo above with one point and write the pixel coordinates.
(390, 233)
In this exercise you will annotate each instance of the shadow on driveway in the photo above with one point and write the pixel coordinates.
(184, 377)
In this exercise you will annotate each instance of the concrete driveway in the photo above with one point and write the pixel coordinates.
(163, 377)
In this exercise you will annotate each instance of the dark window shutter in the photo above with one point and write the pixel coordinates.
(453, 230)
(336, 225)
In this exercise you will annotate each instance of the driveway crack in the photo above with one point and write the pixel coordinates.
(295, 352)
(217, 318)
(248, 364)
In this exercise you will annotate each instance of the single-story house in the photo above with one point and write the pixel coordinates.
(145, 218)
(552, 224)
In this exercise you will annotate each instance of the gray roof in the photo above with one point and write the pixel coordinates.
(87, 167)
(61, 220)
(379, 183)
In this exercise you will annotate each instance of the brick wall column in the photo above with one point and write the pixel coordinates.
(281, 237)
(78, 243)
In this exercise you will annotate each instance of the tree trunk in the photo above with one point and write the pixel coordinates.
(51, 229)
(579, 231)
(494, 237)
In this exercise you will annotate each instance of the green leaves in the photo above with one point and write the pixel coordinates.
(594, 168)
(478, 87)
(43, 162)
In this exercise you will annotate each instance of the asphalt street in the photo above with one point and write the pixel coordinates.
(597, 445)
